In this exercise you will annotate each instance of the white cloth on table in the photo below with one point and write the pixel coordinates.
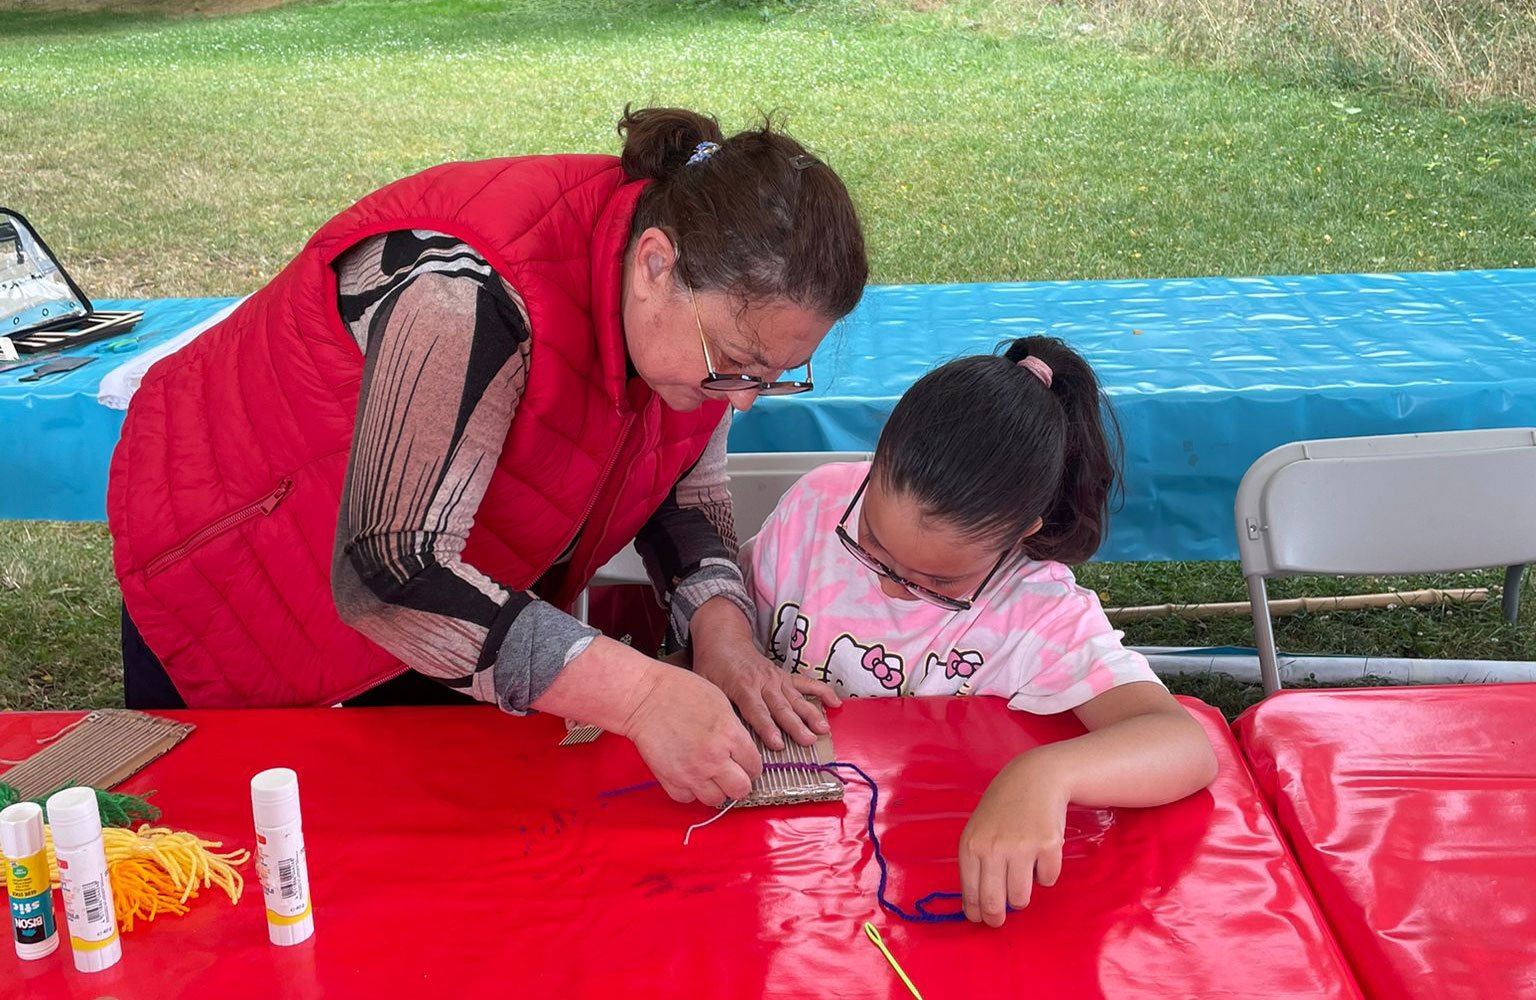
(119, 384)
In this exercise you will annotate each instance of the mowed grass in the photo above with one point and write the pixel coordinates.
(194, 156)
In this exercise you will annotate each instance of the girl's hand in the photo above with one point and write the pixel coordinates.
(768, 698)
(1013, 840)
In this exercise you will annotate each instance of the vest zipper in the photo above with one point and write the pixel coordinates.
(589, 570)
(613, 459)
(265, 506)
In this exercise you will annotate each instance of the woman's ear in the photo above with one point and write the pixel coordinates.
(1034, 529)
(655, 260)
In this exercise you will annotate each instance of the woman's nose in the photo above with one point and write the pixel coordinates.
(743, 400)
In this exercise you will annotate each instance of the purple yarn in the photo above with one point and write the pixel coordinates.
(628, 789)
(923, 912)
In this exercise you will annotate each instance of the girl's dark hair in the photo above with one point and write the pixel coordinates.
(982, 444)
(760, 218)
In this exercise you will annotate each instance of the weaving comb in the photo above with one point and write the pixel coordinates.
(102, 750)
(576, 733)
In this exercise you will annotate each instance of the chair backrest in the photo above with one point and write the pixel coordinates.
(1403, 503)
(758, 480)
(1406, 503)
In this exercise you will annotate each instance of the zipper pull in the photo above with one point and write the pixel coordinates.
(274, 498)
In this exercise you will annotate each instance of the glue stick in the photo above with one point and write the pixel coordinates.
(26, 879)
(280, 856)
(88, 911)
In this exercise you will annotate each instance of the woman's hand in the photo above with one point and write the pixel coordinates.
(691, 740)
(768, 698)
(1013, 840)
(682, 725)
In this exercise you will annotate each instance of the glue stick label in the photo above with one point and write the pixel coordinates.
(31, 899)
(87, 897)
(284, 875)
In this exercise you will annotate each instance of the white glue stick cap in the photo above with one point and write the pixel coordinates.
(74, 817)
(275, 797)
(21, 830)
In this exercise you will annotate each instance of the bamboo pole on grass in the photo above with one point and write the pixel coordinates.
(1302, 605)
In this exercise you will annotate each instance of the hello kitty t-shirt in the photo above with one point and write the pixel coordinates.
(1034, 636)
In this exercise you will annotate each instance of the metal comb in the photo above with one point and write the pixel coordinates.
(577, 734)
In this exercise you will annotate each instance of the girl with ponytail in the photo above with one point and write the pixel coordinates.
(940, 568)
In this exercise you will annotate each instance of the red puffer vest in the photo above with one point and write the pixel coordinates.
(226, 484)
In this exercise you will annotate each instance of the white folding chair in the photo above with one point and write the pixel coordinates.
(1391, 504)
(758, 480)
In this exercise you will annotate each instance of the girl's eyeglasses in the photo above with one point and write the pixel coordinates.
(915, 589)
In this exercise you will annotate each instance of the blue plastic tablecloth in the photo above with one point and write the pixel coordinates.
(56, 441)
(1206, 375)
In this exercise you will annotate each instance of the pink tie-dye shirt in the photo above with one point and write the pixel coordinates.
(1035, 637)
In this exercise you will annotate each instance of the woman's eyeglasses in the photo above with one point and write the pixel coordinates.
(727, 382)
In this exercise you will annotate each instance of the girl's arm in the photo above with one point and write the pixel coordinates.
(1142, 749)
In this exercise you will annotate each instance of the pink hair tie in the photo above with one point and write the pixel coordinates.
(1038, 368)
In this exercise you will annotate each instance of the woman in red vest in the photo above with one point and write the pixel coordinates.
(386, 477)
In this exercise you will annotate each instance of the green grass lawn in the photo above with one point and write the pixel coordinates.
(194, 156)
(188, 157)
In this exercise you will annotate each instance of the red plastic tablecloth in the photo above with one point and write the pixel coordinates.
(1413, 813)
(458, 852)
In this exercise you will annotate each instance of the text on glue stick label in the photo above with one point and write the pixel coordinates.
(31, 899)
(284, 875)
(87, 903)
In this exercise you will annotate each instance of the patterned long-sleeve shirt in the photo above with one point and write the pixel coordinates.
(447, 349)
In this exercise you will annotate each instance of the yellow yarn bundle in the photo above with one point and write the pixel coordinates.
(156, 870)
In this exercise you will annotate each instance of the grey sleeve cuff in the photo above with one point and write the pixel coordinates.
(714, 578)
(538, 645)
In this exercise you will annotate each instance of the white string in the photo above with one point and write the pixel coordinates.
(700, 826)
(49, 739)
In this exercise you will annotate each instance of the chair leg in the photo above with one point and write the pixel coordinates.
(1512, 577)
(1264, 635)
(579, 611)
